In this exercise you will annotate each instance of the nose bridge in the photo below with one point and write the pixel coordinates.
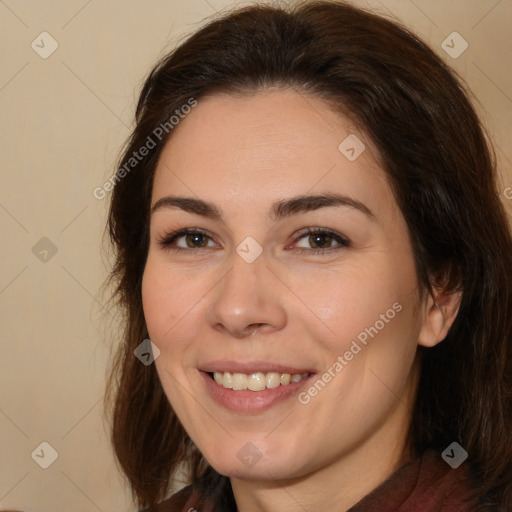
(246, 296)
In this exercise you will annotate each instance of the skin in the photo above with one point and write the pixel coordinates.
(304, 310)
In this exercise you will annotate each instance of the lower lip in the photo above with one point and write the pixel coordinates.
(251, 401)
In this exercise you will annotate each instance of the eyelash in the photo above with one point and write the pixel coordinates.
(166, 240)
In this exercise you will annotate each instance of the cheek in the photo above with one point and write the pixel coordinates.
(163, 306)
(159, 299)
(377, 329)
(173, 303)
(368, 309)
(350, 302)
(153, 300)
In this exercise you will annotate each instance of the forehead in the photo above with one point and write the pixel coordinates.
(262, 147)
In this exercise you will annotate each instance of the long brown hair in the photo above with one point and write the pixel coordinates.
(442, 171)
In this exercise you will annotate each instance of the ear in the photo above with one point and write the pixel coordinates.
(438, 316)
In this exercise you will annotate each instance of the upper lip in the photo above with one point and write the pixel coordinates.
(249, 367)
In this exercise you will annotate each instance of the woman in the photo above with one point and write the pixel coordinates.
(315, 268)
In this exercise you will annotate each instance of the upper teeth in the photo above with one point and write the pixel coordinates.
(256, 381)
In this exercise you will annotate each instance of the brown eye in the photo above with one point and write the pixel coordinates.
(193, 239)
(321, 241)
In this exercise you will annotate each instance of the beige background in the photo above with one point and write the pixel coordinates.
(63, 121)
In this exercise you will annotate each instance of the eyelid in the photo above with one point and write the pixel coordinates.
(167, 238)
(343, 242)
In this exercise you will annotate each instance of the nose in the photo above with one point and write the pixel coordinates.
(248, 300)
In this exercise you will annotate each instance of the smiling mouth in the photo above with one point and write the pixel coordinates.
(258, 381)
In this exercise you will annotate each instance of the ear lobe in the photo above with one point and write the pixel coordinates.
(439, 315)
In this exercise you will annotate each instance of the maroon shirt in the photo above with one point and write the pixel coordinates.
(425, 484)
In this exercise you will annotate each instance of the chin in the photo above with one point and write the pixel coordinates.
(249, 463)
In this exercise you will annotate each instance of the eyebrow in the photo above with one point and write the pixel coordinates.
(279, 210)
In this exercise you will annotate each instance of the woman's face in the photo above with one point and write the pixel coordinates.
(251, 295)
